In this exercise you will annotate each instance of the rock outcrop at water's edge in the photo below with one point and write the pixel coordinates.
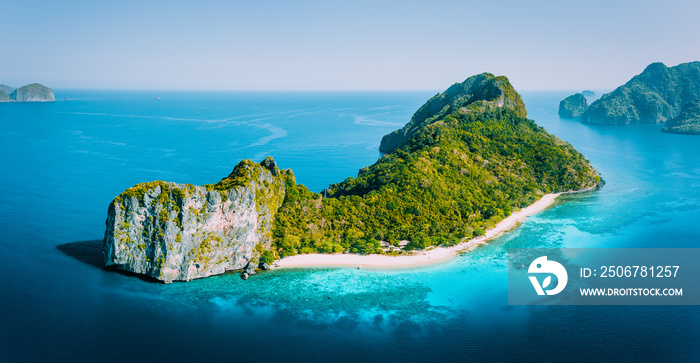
(573, 106)
(180, 232)
(4, 97)
(687, 121)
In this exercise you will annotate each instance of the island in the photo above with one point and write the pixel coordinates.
(468, 161)
(573, 106)
(687, 121)
(34, 92)
(589, 93)
(652, 97)
(5, 88)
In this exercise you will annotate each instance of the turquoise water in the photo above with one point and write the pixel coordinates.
(63, 162)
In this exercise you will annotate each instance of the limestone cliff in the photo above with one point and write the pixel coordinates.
(481, 92)
(4, 97)
(573, 106)
(180, 232)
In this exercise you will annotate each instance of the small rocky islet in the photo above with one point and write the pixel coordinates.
(573, 106)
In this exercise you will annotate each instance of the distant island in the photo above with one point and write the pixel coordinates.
(655, 96)
(573, 106)
(589, 93)
(468, 160)
(34, 92)
(687, 121)
(4, 97)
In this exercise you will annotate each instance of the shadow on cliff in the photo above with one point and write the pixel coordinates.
(90, 252)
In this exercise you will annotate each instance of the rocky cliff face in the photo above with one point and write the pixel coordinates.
(180, 232)
(573, 106)
(687, 121)
(4, 97)
(652, 97)
(477, 93)
(33, 93)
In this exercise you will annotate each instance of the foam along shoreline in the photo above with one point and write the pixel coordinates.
(424, 257)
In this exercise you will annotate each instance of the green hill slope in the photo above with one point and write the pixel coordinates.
(466, 160)
(687, 121)
(482, 92)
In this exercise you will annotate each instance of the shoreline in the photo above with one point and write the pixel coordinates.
(436, 254)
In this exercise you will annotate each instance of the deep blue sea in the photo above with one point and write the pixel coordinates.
(63, 162)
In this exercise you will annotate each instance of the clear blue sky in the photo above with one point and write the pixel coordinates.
(348, 45)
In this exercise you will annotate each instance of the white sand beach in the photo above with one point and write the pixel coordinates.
(424, 257)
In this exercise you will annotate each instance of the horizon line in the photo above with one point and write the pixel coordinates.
(299, 90)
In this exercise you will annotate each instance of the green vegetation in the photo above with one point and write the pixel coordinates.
(687, 121)
(207, 249)
(241, 176)
(480, 92)
(139, 190)
(467, 159)
(32, 92)
(654, 96)
(573, 106)
(5, 88)
(456, 175)
(167, 206)
(267, 257)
